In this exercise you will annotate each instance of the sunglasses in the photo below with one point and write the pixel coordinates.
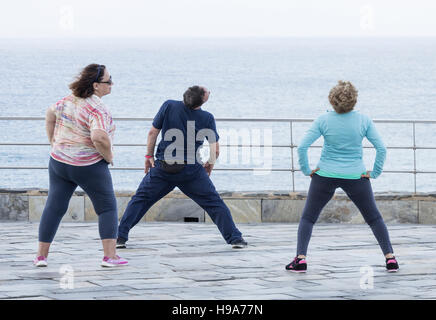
(108, 82)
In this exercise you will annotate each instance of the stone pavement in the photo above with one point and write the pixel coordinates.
(191, 261)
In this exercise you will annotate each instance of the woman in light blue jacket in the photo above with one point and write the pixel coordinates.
(341, 166)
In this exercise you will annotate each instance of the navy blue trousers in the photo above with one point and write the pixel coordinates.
(322, 189)
(95, 180)
(194, 182)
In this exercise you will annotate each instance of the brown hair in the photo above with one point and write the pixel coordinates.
(83, 86)
(193, 97)
(343, 97)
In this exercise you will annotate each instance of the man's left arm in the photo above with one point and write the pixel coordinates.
(214, 146)
(214, 154)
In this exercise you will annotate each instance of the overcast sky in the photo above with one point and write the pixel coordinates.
(216, 18)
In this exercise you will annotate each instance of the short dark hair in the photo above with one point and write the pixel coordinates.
(193, 97)
(83, 86)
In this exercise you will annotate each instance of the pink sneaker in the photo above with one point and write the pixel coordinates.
(40, 261)
(108, 262)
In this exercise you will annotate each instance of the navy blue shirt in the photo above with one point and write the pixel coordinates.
(183, 131)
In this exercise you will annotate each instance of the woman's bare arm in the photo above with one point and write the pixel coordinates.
(50, 122)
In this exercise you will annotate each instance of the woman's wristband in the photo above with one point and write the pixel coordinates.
(148, 156)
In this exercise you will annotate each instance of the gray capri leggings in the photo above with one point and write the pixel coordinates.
(95, 180)
(322, 189)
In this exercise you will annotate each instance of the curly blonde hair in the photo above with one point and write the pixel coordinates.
(343, 97)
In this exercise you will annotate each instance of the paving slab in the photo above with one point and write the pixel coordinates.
(180, 261)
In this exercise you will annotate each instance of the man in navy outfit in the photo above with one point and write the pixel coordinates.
(184, 126)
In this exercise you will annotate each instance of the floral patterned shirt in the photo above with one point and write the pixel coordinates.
(75, 119)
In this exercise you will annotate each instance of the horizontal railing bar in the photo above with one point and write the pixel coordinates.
(221, 145)
(18, 118)
(23, 144)
(218, 169)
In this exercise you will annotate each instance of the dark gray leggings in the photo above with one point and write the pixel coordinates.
(322, 189)
(95, 180)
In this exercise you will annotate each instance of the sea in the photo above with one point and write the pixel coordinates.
(249, 78)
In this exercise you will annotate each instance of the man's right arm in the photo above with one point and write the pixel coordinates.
(151, 140)
(151, 143)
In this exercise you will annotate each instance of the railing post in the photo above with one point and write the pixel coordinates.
(292, 157)
(414, 156)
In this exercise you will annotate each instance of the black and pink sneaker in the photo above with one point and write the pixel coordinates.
(392, 264)
(297, 265)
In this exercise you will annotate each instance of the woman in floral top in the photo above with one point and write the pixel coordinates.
(80, 130)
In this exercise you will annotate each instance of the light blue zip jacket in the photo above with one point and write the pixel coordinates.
(342, 150)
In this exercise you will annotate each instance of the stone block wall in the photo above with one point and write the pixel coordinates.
(14, 207)
(246, 207)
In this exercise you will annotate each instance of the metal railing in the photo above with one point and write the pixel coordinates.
(292, 145)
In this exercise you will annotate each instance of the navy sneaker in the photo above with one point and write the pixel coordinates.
(392, 264)
(121, 243)
(239, 244)
(297, 265)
